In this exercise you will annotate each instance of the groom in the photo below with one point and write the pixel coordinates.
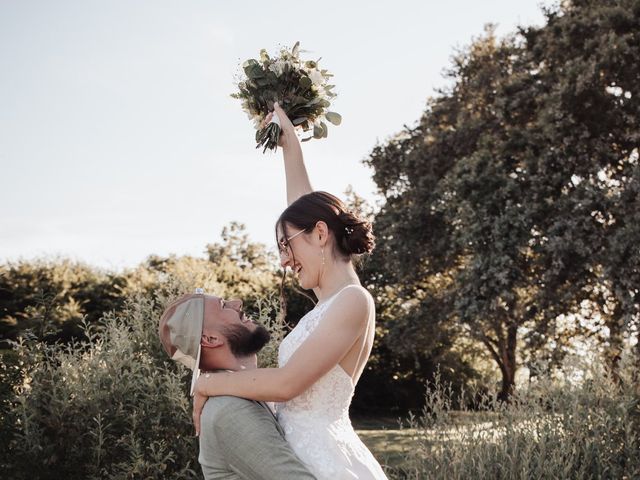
(239, 438)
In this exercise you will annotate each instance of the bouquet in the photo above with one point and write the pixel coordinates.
(300, 87)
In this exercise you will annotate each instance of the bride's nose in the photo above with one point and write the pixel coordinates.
(285, 261)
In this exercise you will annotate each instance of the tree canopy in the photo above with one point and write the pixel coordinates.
(515, 198)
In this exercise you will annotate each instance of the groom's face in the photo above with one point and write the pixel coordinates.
(227, 320)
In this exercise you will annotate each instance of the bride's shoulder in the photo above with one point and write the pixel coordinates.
(356, 290)
(355, 297)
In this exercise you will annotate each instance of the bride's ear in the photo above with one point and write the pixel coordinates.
(321, 233)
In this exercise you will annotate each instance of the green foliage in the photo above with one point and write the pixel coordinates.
(106, 402)
(113, 406)
(515, 198)
(552, 429)
(237, 250)
(267, 312)
(52, 297)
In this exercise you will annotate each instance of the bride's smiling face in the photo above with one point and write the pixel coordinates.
(301, 251)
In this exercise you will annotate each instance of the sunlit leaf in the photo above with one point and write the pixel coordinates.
(334, 117)
(251, 61)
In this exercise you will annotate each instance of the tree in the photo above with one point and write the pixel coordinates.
(238, 249)
(504, 204)
(586, 61)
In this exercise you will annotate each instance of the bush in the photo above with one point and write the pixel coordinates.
(52, 296)
(552, 429)
(111, 407)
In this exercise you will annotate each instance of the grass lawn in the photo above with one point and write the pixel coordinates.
(389, 443)
(385, 439)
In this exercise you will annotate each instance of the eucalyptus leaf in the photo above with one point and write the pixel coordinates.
(325, 129)
(254, 72)
(305, 82)
(334, 117)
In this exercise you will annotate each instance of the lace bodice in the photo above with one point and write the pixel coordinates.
(331, 394)
(316, 423)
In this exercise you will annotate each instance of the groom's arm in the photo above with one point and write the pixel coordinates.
(251, 445)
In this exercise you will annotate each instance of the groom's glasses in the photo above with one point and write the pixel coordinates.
(283, 245)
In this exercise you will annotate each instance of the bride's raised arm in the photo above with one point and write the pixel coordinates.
(296, 173)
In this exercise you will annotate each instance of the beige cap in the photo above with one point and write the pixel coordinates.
(181, 330)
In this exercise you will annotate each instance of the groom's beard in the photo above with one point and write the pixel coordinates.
(244, 342)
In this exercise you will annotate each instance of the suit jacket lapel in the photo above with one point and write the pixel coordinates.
(265, 406)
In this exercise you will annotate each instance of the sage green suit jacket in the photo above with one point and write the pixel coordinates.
(241, 439)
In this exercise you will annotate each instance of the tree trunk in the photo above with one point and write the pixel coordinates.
(637, 370)
(503, 351)
(508, 363)
(616, 342)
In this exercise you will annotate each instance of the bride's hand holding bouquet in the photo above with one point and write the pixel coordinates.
(287, 129)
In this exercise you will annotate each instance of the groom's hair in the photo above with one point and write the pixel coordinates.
(244, 342)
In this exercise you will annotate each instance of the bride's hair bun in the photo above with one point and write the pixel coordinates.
(353, 235)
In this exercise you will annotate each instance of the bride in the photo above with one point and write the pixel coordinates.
(323, 357)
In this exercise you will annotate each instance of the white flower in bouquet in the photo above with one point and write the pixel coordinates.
(300, 87)
(277, 67)
(316, 77)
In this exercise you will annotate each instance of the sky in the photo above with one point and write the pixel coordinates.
(119, 138)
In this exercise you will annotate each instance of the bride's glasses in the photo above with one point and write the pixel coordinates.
(283, 244)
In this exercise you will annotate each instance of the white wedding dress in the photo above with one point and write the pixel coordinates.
(316, 423)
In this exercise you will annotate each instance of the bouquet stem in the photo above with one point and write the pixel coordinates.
(268, 137)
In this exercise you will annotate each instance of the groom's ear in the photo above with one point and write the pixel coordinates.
(211, 341)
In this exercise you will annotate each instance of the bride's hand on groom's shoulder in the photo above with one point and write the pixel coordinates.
(199, 399)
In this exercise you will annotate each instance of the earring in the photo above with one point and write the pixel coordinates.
(322, 267)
